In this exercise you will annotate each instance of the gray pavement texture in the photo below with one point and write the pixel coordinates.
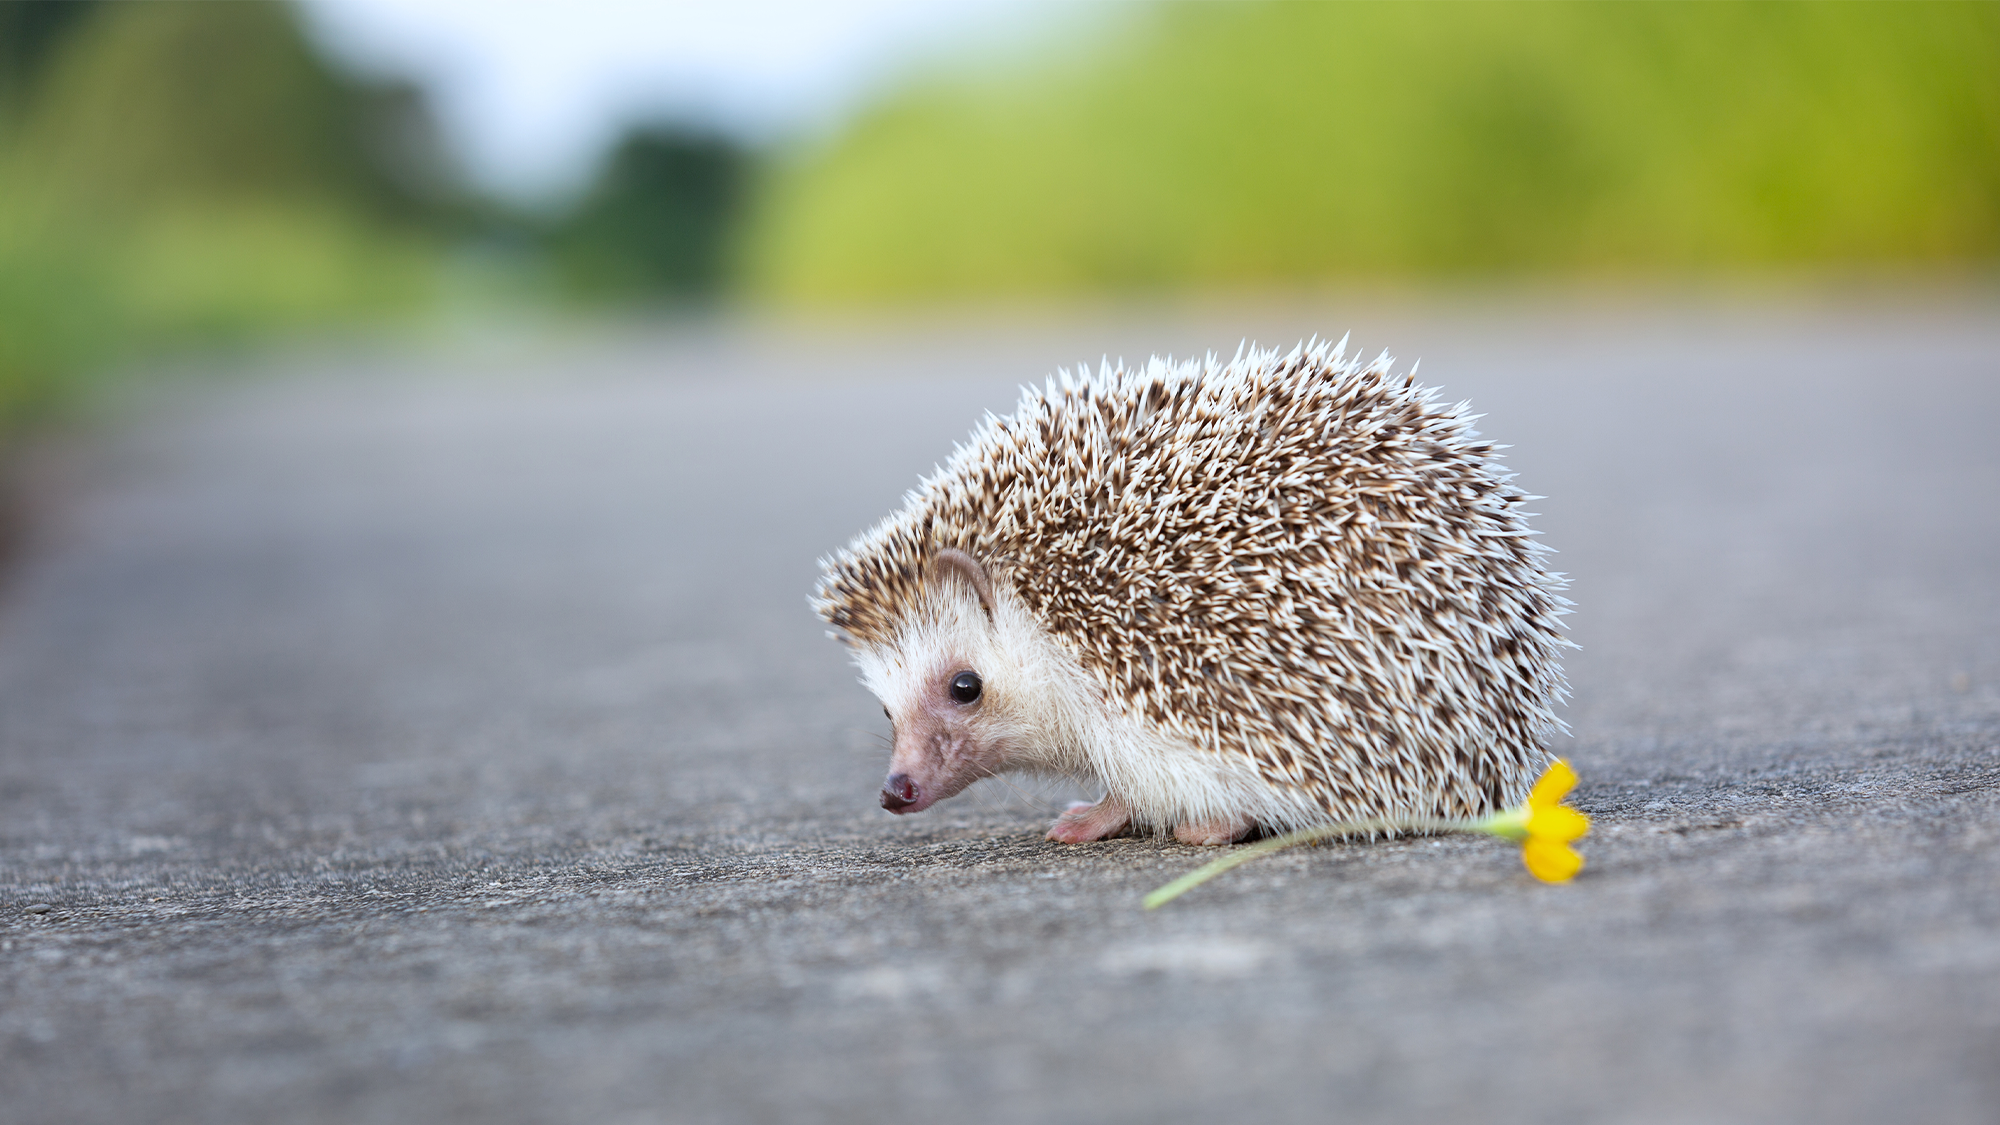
(441, 735)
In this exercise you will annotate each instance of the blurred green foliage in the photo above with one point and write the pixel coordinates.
(186, 173)
(175, 173)
(1274, 143)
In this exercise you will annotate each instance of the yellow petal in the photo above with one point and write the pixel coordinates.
(1557, 823)
(1550, 861)
(1556, 781)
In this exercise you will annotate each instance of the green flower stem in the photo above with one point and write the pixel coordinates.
(1500, 824)
(1511, 824)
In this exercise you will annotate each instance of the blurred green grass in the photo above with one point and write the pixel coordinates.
(1269, 144)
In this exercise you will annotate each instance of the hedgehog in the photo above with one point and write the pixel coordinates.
(1239, 598)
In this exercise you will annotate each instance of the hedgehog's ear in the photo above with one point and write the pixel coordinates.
(969, 569)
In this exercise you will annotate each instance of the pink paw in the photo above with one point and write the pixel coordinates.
(1212, 833)
(1085, 822)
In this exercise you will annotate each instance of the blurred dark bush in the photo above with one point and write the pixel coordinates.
(1259, 144)
(27, 33)
(657, 221)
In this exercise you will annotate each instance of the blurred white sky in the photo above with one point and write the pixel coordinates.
(532, 91)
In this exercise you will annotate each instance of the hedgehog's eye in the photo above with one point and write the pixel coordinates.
(965, 687)
(886, 714)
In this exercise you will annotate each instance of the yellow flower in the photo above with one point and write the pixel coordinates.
(1545, 826)
(1542, 823)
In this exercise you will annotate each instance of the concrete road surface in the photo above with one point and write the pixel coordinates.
(440, 734)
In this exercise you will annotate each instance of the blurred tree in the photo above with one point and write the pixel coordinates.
(176, 172)
(160, 104)
(659, 217)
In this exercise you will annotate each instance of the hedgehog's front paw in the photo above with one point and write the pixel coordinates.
(1212, 833)
(1086, 822)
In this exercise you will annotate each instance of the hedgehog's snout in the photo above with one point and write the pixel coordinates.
(899, 792)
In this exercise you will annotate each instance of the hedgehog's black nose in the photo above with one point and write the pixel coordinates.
(899, 792)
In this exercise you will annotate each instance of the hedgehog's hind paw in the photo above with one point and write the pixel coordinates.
(1212, 833)
(1083, 822)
